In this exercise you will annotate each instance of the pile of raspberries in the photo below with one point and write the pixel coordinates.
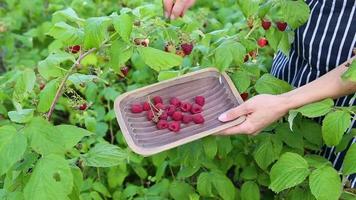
(171, 116)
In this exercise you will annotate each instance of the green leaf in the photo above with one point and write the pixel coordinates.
(350, 74)
(346, 138)
(210, 147)
(274, 36)
(47, 96)
(269, 84)
(78, 79)
(12, 147)
(285, 43)
(176, 188)
(227, 52)
(120, 53)
(71, 135)
(292, 139)
(51, 179)
(50, 67)
(67, 34)
(334, 126)
(296, 13)
(99, 187)
(204, 185)
(44, 137)
(168, 74)
(290, 170)
(241, 80)
(67, 14)
(267, 151)
(311, 131)
(300, 194)
(104, 155)
(316, 109)
(223, 186)
(250, 191)
(249, 173)
(21, 116)
(316, 161)
(95, 31)
(248, 8)
(123, 25)
(24, 85)
(350, 161)
(325, 183)
(187, 171)
(159, 60)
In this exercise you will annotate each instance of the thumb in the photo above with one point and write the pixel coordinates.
(234, 113)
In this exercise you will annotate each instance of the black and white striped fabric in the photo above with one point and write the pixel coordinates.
(320, 45)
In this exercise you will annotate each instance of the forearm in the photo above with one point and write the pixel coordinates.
(328, 86)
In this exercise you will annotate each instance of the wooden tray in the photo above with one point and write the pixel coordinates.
(143, 137)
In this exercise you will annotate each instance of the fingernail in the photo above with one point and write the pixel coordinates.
(166, 14)
(223, 117)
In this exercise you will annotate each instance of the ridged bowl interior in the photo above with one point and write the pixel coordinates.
(218, 99)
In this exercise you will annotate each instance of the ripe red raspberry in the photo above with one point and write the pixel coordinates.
(136, 108)
(198, 119)
(196, 109)
(266, 24)
(174, 126)
(162, 124)
(160, 106)
(244, 96)
(146, 106)
(262, 42)
(164, 116)
(187, 119)
(200, 100)
(170, 110)
(157, 99)
(281, 25)
(175, 101)
(74, 49)
(186, 107)
(125, 70)
(187, 48)
(177, 116)
(150, 115)
(83, 106)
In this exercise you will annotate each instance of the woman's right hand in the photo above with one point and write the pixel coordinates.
(176, 8)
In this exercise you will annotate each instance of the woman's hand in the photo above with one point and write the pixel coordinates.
(260, 111)
(176, 8)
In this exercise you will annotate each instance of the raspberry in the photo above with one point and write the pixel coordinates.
(136, 108)
(262, 42)
(146, 106)
(244, 96)
(177, 116)
(157, 100)
(125, 70)
(162, 124)
(187, 48)
(186, 107)
(174, 126)
(196, 109)
(83, 106)
(266, 24)
(160, 106)
(175, 101)
(281, 25)
(187, 119)
(150, 115)
(200, 100)
(164, 116)
(198, 119)
(74, 49)
(171, 109)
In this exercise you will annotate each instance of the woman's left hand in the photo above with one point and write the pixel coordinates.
(260, 111)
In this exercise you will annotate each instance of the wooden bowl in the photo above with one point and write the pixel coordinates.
(142, 135)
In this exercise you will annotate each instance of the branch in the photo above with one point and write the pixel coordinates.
(61, 86)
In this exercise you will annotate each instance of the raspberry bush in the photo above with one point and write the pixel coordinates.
(63, 63)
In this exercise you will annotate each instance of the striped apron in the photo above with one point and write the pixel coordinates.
(320, 45)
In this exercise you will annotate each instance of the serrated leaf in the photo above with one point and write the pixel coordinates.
(316, 109)
(24, 85)
(168, 74)
(290, 170)
(187, 171)
(334, 126)
(12, 147)
(284, 44)
(273, 36)
(311, 131)
(300, 194)
(95, 31)
(159, 60)
(123, 25)
(67, 14)
(51, 179)
(269, 84)
(47, 96)
(349, 166)
(120, 53)
(296, 13)
(71, 135)
(248, 8)
(223, 186)
(250, 191)
(227, 52)
(241, 80)
(292, 139)
(104, 155)
(316, 161)
(267, 151)
(350, 74)
(325, 183)
(78, 79)
(67, 34)
(21, 116)
(204, 185)
(210, 147)
(176, 188)
(50, 67)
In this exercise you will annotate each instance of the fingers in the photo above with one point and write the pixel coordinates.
(178, 9)
(168, 5)
(244, 128)
(234, 113)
